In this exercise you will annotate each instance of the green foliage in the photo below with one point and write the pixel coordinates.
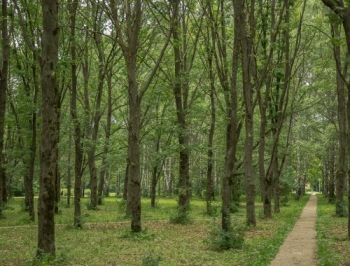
(46, 259)
(121, 205)
(7, 205)
(214, 210)
(181, 218)
(340, 208)
(151, 259)
(137, 236)
(220, 239)
(90, 207)
(285, 190)
(234, 207)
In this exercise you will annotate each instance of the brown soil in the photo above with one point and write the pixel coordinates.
(299, 248)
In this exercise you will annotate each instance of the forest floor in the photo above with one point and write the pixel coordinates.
(299, 248)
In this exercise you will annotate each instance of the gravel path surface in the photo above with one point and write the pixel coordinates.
(299, 248)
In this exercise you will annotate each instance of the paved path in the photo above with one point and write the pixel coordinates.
(299, 248)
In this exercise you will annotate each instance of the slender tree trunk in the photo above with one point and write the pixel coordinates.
(134, 175)
(106, 147)
(69, 172)
(230, 179)
(266, 177)
(32, 149)
(57, 172)
(154, 185)
(5, 54)
(277, 186)
(247, 62)
(125, 188)
(180, 90)
(210, 181)
(210, 54)
(96, 119)
(331, 197)
(155, 174)
(299, 183)
(78, 161)
(340, 174)
(48, 160)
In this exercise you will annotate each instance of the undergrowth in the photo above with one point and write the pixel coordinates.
(220, 239)
(332, 241)
(105, 240)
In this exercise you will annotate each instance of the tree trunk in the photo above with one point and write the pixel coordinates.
(48, 160)
(154, 186)
(331, 197)
(340, 174)
(125, 188)
(5, 54)
(247, 64)
(96, 119)
(343, 12)
(32, 151)
(69, 172)
(57, 172)
(210, 182)
(134, 176)
(78, 161)
(108, 133)
(277, 188)
(180, 90)
(265, 177)
(299, 182)
(325, 179)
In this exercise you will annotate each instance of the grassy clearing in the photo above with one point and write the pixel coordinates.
(106, 240)
(333, 245)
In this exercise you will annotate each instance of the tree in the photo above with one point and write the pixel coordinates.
(48, 160)
(78, 158)
(5, 57)
(183, 63)
(340, 175)
(28, 70)
(246, 36)
(128, 22)
(342, 10)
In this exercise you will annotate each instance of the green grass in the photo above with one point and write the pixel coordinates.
(105, 238)
(332, 242)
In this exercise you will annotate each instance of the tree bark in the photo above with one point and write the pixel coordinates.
(155, 173)
(78, 160)
(180, 90)
(134, 175)
(210, 181)
(5, 54)
(343, 13)
(48, 160)
(106, 147)
(69, 173)
(340, 174)
(228, 81)
(247, 71)
(130, 48)
(331, 197)
(210, 57)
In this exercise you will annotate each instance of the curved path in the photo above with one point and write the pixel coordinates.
(299, 248)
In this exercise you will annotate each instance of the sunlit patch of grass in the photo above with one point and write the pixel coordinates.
(332, 242)
(100, 242)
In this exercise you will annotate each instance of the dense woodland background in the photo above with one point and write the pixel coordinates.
(226, 100)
